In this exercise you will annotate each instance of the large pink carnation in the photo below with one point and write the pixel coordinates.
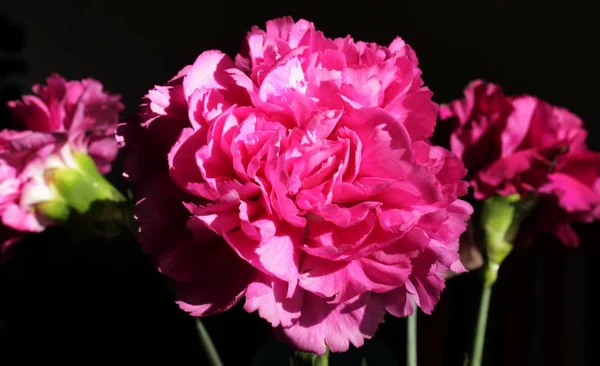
(299, 178)
(521, 144)
(61, 118)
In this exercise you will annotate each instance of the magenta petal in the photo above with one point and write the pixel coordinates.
(510, 167)
(344, 280)
(19, 219)
(416, 111)
(386, 144)
(426, 282)
(398, 302)
(33, 113)
(268, 295)
(327, 240)
(518, 124)
(276, 256)
(573, 195)
(334, 326)
(22, 143)
(285, 75)
(163, 115)
(209, 71)
(182, 158)
(190, 253)
(104, 151)
(345, 217)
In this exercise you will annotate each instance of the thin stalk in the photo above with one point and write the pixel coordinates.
(411, 338)
(209, 347)
(482, 317)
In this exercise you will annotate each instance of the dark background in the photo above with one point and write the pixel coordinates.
(62, 299)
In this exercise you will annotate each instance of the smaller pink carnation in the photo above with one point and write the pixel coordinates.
(508, 143)
(60, 119)
(521, 144)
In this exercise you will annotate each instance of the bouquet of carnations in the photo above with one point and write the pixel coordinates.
(312, 179)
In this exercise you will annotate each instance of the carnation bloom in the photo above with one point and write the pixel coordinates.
(521, 144)
(572, 195)
(61, 120)
(299, 177)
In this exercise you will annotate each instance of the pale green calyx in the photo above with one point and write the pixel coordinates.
(75, 187)
(501, 219)
(310, 359)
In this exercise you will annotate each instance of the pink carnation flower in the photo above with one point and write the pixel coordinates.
(299, 177)
(522, 144)
(573, 195)
(61, 118)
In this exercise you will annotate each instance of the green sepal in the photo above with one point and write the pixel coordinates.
(310, 359)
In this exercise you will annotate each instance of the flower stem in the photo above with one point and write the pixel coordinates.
(209, 347)
(411, 338)
(479, 340)
(311, 359)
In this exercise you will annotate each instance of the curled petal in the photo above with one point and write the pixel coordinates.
(325, 326)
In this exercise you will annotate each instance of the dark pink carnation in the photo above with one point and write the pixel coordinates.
(574, 190)
(522, 144)
(299, 177)
(61, 118)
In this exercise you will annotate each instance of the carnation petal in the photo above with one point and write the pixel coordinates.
(208, 72)
(339, 281)
(416, 111)
(33, 113)
(323, 326)
(268, 295)
(278, 256)
(385, 141)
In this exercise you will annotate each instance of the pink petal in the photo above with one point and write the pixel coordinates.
(325, 326)
(26, 142)
(327, 240)
(20, 219)
(104, 151)
(190, 253)
(416, 111)
(343, 280)
(163, 115)
(518, 124)
(182, 158)
(399, 302)
(276, 256)
(287, 74)
(209, 71)
(199, 263)
(386, 143)
(33, 113)
(572, 194)
(268, 295)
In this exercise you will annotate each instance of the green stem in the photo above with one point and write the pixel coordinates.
(490, 275)
(411, 338)
(209, 347)
(310, 359)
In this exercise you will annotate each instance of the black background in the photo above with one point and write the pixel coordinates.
(63, 299)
